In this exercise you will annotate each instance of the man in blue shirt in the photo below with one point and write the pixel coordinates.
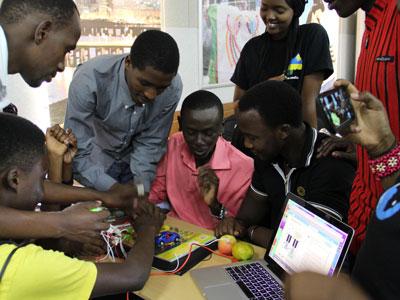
(120, 108)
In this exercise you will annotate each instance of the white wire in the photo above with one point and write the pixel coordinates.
(110, 253)
(171, 271)
(121, 246)
(177, 259)
(113, 238)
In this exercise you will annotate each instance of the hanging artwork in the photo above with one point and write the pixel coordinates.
(226, 27)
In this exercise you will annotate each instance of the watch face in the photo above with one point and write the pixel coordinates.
(215, 208)
(222, 213)
(219, 211)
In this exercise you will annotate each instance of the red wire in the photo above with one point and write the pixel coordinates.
(186, 260)
(188, 257)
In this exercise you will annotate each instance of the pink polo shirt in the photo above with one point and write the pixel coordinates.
(176, 180)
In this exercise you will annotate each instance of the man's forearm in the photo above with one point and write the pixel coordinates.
(67, 174)
(55, 169)
(133, 273)
(254, 208)
(141, 254)
(385, 145)
(389, 181)
(18, 224)
(55, 193)
(261, 236)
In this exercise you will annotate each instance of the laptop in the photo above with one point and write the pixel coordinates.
(306, 239)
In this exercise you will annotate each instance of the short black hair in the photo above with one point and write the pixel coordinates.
(157, 49)
(276, 101)
(22, 144)
(61, 11)
(202, 100)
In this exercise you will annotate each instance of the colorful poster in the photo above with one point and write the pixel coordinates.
(227, 26)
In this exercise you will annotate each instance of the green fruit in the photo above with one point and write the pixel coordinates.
(242, 251)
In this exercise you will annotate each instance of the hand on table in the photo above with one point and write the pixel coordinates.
(232, 226)
(146, 214)
(82, 225)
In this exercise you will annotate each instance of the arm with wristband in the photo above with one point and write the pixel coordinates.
(371, 129)
(208, 184)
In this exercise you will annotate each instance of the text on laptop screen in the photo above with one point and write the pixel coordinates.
(306, 242)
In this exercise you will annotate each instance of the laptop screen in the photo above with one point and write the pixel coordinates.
(305, 241)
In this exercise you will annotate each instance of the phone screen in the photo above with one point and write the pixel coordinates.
(337, 108)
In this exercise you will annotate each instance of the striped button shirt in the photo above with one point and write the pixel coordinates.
(377, 72)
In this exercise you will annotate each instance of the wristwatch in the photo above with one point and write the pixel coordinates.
(218, 210)
(140, 189)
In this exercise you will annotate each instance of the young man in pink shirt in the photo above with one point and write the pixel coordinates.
(202, 177)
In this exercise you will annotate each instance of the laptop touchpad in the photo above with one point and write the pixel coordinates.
(226, 291)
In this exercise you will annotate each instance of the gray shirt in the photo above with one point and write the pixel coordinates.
(110, 127)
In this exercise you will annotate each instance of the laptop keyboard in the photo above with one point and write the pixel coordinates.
(256, 282)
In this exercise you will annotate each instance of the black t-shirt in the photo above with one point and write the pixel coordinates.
(311, 55)
(324, 182)
(378, 261)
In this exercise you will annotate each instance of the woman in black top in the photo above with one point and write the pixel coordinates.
(286, 51)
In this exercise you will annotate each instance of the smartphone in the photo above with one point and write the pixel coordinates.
(336, 109)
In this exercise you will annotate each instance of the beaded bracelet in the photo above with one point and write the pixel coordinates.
(387, 164)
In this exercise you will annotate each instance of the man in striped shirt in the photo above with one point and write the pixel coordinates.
(377, 72)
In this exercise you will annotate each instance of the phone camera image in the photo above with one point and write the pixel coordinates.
(337, 108)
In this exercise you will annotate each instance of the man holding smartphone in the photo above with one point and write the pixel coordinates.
(377, 263)
(378, 73)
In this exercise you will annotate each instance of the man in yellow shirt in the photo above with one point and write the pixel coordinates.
(35, 36)
(30, 272)
(34, 273)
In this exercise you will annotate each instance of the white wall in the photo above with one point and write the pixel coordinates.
(360, 27)
(32, 103)
(346, 55)
(181, 20)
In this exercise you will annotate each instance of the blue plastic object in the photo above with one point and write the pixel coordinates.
(167, 238)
